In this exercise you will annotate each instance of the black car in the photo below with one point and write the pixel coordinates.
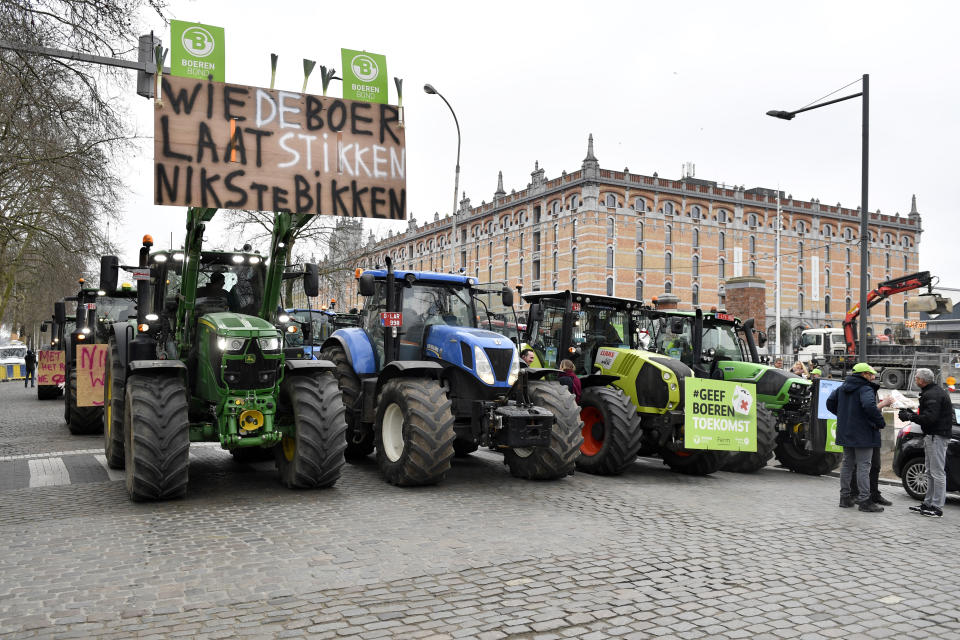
(908, 459)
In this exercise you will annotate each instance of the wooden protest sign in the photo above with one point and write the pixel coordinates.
(91, 371)
(238, 147)
(51, 369)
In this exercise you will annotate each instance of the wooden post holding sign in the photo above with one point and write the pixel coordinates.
(91, 372)
(239, 147)
(51, 369)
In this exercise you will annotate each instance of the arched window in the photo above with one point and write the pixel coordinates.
(611, 200)
(887, 238)
(639, 292)
(611, 227)
(752, 246)
(906, 312)
(609, 286)
(722, 269)
(753, 268)
(696, 296)
(695, 212)
(752, 220)
(609, 257)
(722, 215)
(848, 234)
(555, 263)
(668, 234)
(573, 258)
(886, 258)
(639, 260)
(574, 201)
(696, 237)
(639, 204)
(826, 278)
(722, 242)
(847, 303)
(800, 276)
(800, 302)
(886, 309)
(906, 262)
(639, 232)
(826, 304)
(827, 231)
(667, 287)
(573, 226)
(573, 284)
(555, 285)
(520, 275)
(506, 270)
(668, 208)
(847, 279)
(555, 207)
(826, 253)
(556, 233)
(668, 263)
(800, 251)
(490, 250)
(695, 266)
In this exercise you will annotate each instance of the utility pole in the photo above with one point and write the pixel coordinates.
(778, 342)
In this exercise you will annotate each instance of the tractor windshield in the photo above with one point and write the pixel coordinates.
(320, 327)
(115, 309)
(594, 326)
(672, 336)
(438, 304)
(723, 339)
(236, 287)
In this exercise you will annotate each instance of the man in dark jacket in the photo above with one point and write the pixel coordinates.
(858, 431)
(935, 418)
(31, 366)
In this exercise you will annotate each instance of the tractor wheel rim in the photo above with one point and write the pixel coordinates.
(592, 418)
(289, 448)
(523, 452)
(392, 432)
(917, 478)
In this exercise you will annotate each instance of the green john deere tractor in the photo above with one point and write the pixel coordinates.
(632, 399)
(727, 350)
(204, 362)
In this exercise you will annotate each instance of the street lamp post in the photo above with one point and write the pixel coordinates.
(864, 216)
(428, 88)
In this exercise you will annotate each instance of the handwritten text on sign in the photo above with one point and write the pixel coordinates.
(50, 367)
(239, 147)
(91, 371)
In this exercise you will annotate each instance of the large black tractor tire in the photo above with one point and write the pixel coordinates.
(312, 458)
(693, 462)
(360, 437)
(611, 431)
(747, 461)
(559, 458)
(113, 403)
(463, 448)
(794, 457)
(156, 430)
(415, 432)
(83, 421)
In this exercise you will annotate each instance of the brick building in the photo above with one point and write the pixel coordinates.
(637, 236)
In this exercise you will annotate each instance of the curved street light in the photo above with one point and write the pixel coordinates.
(428, 88)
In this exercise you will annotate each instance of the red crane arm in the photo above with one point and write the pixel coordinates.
(883, 291)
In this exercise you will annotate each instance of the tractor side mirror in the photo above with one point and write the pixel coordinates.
(535, 314)
(109, 273)
(60, 312)
(311, 280)
(761, 338)
(367, 285)
(506, 296)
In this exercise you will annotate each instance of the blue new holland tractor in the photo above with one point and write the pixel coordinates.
(421, 383)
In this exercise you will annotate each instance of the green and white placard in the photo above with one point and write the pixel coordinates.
(197, 51)
(364, 76)
(719, 415)
(831, 443)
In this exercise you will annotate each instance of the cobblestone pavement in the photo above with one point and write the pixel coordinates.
(650, 554)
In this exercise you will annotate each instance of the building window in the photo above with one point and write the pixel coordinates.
(906, 313)
(536, 242)
(722, 215)
(886, 309)
(573, 234)
(668, 234)
(722, 242)
(800, 302)
(886, 257)
(848, 303)
(695, 212)
(667, 287)
(696, 237)
(826, 253)
(555, 269)
(555, 284)
(536, 214)
(611, 227)
(611, 200)
(506, 270)
(520, 275)
(639, 292)
(826, 304)
(695, 266)
(722, 269)
(573, 284)
(639, 260)
(906, 262)
(639, 232)
(609, 286)
(668, 208)
(752, 220)
(667, 263)
(490, 251)
(826, 279)
(800, 276)
(696, 296)
(639, 204)
(827, 232)
(848, 234)
(753, 244)
(574, 201)
(609, 257)
(573, 258)
(847, 278)
(753, 268)
(556, 233)
(521, 242)
(800, 251)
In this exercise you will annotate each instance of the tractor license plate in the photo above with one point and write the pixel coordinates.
(525, 427)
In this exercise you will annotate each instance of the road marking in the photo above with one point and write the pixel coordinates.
(48, 472)
(77, 452)
(113, 474)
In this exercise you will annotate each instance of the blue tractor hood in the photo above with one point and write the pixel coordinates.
(457, 346)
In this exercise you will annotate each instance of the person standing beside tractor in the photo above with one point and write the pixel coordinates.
(858, 431)
(30, 360)
(569, 379)
(935, 418)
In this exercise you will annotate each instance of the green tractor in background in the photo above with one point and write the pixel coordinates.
(635, 403)
(205, 362)
(717, 345)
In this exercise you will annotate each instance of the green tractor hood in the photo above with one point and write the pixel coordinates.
(239, 325)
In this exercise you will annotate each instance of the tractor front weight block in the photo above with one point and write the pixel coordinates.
(524, 426)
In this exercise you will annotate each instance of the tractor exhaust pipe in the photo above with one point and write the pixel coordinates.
(751, 343)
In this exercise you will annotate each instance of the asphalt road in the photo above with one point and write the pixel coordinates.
(649, 554)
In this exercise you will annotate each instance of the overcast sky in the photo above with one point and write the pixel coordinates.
(658, 84)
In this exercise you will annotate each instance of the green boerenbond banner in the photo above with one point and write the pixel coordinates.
(197, 51)
(719, 415)
(831, 444)
(364, 76)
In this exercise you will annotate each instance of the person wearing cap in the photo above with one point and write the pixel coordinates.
(935, 418)
(816, 374)
(858, 431)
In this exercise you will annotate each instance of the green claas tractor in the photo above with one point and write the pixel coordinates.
(204, 362)
(423, 383)
(632, 399)
(727, 350)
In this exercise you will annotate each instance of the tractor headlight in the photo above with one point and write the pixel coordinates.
(482, 364)
(666, 375)
(270, 344)
(284, 318)
(514, 368)
(231, 344)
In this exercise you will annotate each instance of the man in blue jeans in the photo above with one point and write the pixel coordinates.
(858, 431)
(935, 418)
